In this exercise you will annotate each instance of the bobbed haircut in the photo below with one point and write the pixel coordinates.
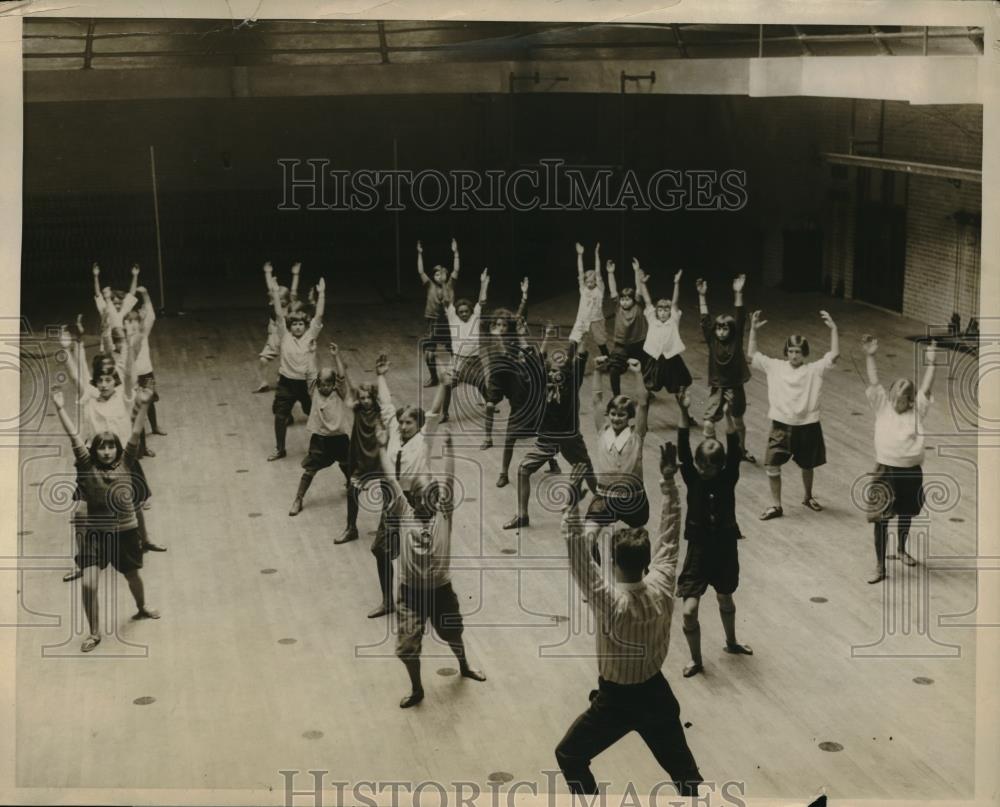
(370, 389)
(102, 439)
(799, 341)
(628, 291)
(630, 549)
(103, 364)
(710, 453)
(500, 315)
(463, 301)
(426, 499)
(621, 402)
(296, 316)
(726, 319)
(411, 411)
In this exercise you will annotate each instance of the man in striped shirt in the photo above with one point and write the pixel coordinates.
(633, 615)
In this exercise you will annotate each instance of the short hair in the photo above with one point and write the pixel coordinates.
(438, 268)
(589, 272)
(463, 301)
(621, 402)
(898, 387)
(103, 364)
(799, 341)
(628, 291)
(710, 452)
(630, 549)
(370, 389)
(501, 315)
(726, 319)
(411, 411)
(296, 316)
(663, 302)
(102, 439)
(426, 499)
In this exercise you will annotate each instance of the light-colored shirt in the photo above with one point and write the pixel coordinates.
(111, 415)
(619, 459)
(793, 392)
(591, 303)
(663, 338)
(298, 356)
(424, 547)
(112, 317)
(410, 458)
(633, 618)
(329, 414)
(143, 363)
(899, 439)
(464, 335)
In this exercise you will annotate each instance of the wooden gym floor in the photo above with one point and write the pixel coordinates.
(264, 659)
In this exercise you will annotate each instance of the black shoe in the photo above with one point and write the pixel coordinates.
(69, 577)
(516, 523)
(383, 609)
(350, 534)
(149, 546)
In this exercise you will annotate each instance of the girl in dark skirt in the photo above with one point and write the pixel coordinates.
(110, 532)
(895, 487)
(664, 368)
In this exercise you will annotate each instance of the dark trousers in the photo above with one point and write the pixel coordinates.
(649, 708)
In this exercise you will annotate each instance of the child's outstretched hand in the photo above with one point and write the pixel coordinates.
(420, 248)
(701, 286)
(524, 287)
(106, 291)
(756, 322)
(57, 398)
(579, 248)
(79, 324)
(381, 364)
(597, 249)
(827, 320)
(869, 344)
(268, 269)
(635, 266)
(321, 286)
(135, 270)
(677, 276)
(454, 246)
(668, 460)
(738, 282)
(610, 266)
(296, 267)
(485, 276)
(95, 269)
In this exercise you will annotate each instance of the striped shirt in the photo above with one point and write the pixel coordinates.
(633, 618)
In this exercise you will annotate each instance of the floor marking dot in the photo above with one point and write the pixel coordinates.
(214, 378)
(223, 403)
(446, 671)
(255, 515)
(145, 700)
(957, 520)
(890, 355)
(687, 725)
(312, 734)
(210, 357)
(35, 485)
(826, 745)
(855, 414)
(923, 681)
(242, 470)
(817, 599)
(268, 571)
(26, 532)
(508, 551)
(287, 640)
(500, 776)
(232, 434)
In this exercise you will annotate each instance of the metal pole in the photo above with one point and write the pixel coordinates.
(395, 167)
(156, 217)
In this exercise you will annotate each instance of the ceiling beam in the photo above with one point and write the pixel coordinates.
(917, 79)
(771, 12)
(907, 167)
